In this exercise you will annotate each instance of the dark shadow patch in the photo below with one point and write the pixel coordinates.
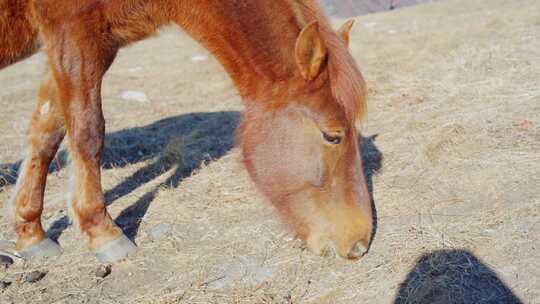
(56, 229)
(182, 142)
(371, 158)
(372, 163)
(8, 174)
(179, 143)
(186, 142)
(453, 277)
(144, 143)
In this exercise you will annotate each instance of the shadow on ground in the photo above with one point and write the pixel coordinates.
(372, 162)
(177, 145)
(209, 135)
(453, 277)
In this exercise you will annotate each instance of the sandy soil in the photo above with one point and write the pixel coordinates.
(452, 148)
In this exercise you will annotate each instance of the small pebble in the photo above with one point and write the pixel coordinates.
(103, 271)
(4, 285)
(34, 276)
(5, 261)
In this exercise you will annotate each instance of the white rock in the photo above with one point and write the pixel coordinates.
(134, 96)
(198, 58)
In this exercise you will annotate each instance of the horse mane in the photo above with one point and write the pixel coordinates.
(346, 81)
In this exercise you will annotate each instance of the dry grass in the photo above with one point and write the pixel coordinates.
(455, 102)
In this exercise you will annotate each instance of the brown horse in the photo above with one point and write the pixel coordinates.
(302, 91)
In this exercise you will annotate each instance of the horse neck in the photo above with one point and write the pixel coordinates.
(254, 41)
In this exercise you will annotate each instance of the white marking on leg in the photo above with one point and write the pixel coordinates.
(44, 110)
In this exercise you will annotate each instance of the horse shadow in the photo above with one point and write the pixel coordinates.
(453, 277)
(179, 144)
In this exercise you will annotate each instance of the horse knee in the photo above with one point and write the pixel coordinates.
(46, 128)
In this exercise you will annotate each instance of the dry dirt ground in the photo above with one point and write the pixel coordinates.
(452, 150)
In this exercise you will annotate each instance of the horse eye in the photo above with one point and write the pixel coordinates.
(333, 139)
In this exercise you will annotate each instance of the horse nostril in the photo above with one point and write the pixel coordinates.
(357, 251)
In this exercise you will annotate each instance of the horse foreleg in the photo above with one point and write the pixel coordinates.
(79, 70)
(44, 136)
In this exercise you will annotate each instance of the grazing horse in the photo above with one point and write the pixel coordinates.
(302, 91)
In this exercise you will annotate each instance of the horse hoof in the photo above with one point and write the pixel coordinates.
(45, 249)
(116, 250)
(357, 251)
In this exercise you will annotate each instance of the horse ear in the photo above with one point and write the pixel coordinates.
(310, 51)
(345, 29)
